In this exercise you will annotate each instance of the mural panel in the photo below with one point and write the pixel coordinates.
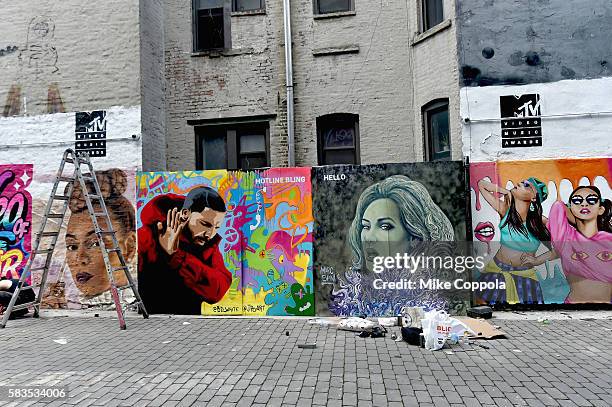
(546, 229)
(77, 278)
(369, 211)
(226, 243)
(15, 219)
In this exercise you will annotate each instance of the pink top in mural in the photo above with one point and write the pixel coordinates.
(589, 258)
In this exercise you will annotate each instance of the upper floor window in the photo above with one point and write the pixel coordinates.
(433, 13)
(338, 139)
(333, 6)
(211, 25)
(247, 5)
(233, 146)
(437, 134)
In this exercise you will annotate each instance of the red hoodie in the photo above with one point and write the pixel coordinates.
(177, 284)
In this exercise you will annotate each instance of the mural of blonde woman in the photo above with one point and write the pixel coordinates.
(390, 215)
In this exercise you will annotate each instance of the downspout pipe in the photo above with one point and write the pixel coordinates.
(289, 85)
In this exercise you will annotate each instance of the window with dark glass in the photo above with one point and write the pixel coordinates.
(338, 139)
(433, 13)
(236, 146)
(437, 133)
(211, 25)
(247, 5)
(333, 6)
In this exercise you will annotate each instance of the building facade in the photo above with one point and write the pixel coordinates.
(369, 79)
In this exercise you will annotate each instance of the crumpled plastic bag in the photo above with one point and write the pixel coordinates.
(438, 326)
(411, 316)
(356, 324)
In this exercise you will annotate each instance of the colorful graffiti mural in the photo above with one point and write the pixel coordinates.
(369, 211)
(15, 219)
(546, 227)
(226, 242)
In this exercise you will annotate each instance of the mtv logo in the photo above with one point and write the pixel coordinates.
(521, 120)
(527, 105)
(94, 122)
(90, 133)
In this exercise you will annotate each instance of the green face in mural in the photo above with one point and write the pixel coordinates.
(390, 216)
(381, 223)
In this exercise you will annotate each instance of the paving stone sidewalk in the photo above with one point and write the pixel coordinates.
(252, 362)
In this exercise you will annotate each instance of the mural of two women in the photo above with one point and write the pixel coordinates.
(579, 232)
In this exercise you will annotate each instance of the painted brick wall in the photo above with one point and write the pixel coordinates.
(435, 73)
(247, 83)
(85, 54)
(529, 41)
(374, 80)
(575, 120)
(152, 85)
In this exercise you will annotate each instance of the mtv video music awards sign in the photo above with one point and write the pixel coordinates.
(90, 133)
(520, 121)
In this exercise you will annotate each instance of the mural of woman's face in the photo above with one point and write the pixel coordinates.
(382, 231)
(524, 191)
(84, 256)
(585, 205)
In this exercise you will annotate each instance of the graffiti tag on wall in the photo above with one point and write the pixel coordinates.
(40, 53)
(15, 219)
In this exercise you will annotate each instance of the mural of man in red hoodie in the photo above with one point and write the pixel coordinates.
(179, 262)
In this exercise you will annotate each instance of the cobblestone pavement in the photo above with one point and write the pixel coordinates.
(251, 362)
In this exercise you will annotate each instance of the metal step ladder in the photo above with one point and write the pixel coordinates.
(48, 238)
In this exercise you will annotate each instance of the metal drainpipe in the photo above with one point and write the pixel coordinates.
(289, 82)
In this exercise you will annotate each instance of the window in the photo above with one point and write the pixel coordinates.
(437, 134)
(433, 13)
(247, 5)
(236, 146)
(211, 25)
(338, 136)
(333, 6)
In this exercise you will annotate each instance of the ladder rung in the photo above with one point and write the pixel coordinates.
(121, 268)
(61, 197)
(23, 306)
(87, 178)
(38, 268)
(106, 232)
(94, 196)
(69, 160)
(65, 179)
(115, 249)
(55, 216)
(100, 214)
(125, 287)
(48, 234)
(45, 251)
